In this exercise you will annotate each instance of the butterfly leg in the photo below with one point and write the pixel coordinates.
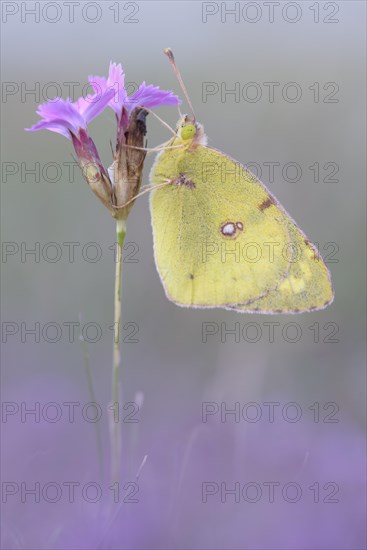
(161, 147)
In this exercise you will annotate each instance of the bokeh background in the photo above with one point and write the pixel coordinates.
(169, 371)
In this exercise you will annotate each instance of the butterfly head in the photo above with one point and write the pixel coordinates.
(189, 131)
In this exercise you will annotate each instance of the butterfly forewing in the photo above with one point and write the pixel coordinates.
(218, 234)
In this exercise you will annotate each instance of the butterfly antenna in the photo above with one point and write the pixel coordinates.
(171, 59)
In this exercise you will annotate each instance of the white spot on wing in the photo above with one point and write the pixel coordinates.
(231, 229)
(228, 229)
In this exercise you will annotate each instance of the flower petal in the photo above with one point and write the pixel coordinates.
(64, 116)
(57, 125)
(96, 106)
(62, 110)
(151, 96)
(115, 82)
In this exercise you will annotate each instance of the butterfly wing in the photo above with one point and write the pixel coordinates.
(307, 286)
(220, 238)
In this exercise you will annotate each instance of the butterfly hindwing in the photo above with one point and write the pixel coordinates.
(307, 286)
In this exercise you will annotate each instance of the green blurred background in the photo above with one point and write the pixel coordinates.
(170, 364)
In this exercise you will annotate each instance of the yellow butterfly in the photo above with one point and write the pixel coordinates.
(221, 239)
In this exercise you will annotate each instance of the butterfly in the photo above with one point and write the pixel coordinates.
(221, 239)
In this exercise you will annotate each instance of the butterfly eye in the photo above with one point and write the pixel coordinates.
(188, 131)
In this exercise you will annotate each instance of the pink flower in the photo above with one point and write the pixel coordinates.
(71, 118)
(145, 96)
(66, 117)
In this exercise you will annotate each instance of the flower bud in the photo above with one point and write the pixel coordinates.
(93, 171)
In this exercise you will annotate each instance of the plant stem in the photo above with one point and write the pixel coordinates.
(93, 398)
(116, 430)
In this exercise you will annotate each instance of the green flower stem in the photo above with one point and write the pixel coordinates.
(116, 429)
